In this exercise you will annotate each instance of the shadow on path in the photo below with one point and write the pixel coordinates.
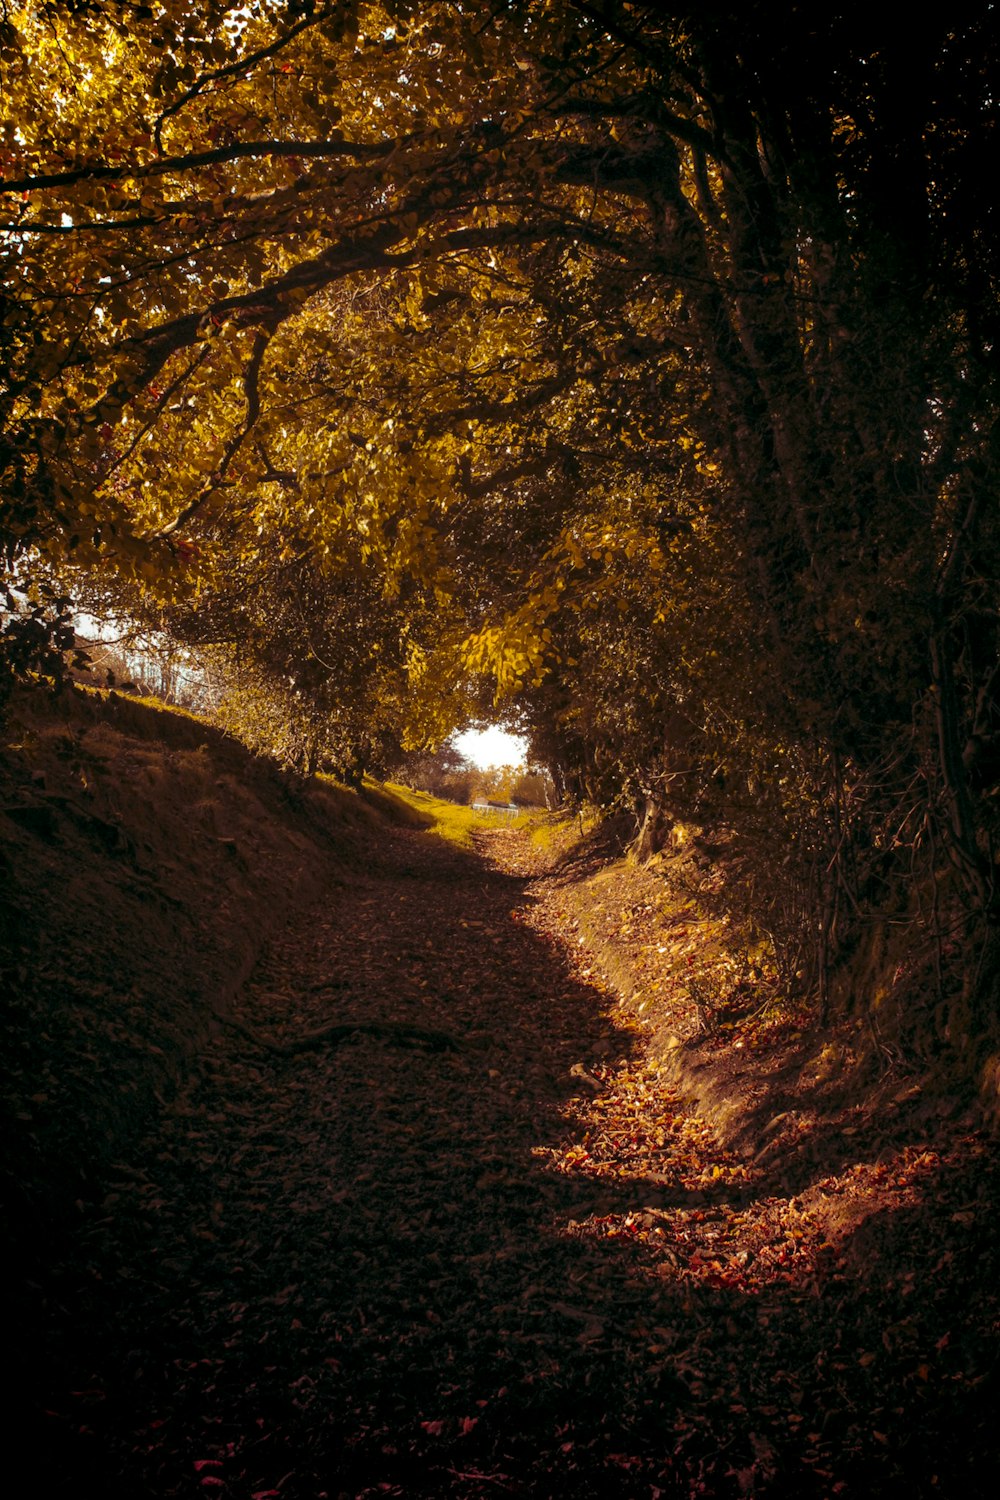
(357, 1271)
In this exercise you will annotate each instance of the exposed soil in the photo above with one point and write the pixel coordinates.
(472, 1243)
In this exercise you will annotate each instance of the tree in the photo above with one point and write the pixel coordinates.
(639, 361)
(444, 772)
(532, 788)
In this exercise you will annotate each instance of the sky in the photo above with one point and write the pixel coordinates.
(491, 747)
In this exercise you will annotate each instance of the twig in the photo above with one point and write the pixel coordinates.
(500, 1479)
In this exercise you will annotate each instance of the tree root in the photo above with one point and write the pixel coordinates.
(341, 1031)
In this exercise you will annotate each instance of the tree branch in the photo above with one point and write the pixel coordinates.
(251, 386)
(240, 65)
(336, 146)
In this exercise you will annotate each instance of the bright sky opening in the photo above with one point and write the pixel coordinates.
(491, 747)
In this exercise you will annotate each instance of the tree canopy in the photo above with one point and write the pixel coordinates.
(640, 362)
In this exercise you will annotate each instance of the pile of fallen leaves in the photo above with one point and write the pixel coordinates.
(466, 1240)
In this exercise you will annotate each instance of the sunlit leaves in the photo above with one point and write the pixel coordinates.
(642, 370)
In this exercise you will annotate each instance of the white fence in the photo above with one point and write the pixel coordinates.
(504, 810)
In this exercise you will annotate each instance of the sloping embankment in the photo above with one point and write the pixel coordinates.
(145, 860)
(783, 1090)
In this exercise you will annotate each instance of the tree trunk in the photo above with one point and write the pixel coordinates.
(653, 830)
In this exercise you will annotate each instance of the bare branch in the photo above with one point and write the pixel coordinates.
(335, 146)
(251, 386)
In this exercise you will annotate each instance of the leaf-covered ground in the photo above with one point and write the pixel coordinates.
(480, 1249)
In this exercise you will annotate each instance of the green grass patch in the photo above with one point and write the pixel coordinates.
(557, 830)
(452, 820)
(397, 804)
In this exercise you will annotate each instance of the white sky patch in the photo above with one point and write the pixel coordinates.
(491, 747)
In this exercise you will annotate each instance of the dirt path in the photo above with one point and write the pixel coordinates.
(478, 1249)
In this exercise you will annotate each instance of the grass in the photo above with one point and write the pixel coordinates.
(396, 804)
(450, 820)
(556, 830)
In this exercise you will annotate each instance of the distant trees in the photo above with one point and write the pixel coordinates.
(156, 668)
(447, 773)
(444, 772)
(532, 788)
